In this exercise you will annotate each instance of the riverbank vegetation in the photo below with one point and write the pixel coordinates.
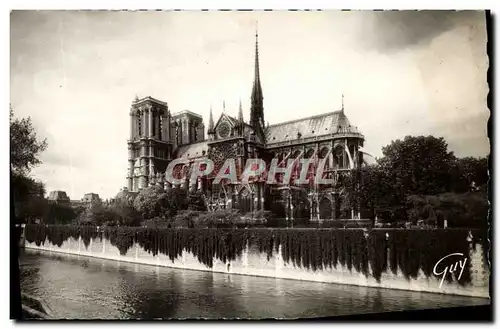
(27, 193)
(418, 181)
(407, 251)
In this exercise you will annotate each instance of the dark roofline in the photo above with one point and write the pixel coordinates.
(305, 118)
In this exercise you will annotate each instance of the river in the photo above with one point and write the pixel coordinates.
(78, 287)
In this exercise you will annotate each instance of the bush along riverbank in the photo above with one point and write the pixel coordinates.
(410, 251)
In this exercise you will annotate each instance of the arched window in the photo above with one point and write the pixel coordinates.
(177, 133)
(322, 155)
(160, 124)
(295, 154)
(325, 209)
(339, 156)
(153, 128)
(139, 125)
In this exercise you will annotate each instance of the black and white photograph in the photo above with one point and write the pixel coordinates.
(250, 164)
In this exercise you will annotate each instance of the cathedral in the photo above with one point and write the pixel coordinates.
(157, 137)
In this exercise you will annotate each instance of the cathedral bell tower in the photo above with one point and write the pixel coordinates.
(149, 145)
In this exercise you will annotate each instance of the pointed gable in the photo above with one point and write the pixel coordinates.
(226, 118)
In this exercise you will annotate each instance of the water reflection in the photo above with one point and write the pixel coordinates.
(89, 288)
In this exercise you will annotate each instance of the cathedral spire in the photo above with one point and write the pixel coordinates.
(240, 113)
(257, 99)
(256, 68)
(210, 122)
(342, 103)
(241, 123)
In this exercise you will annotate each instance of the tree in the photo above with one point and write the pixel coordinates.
(125, 214)
(25, 147)
(97, 214)
(79, 210)
(418, 165)
(469, 173)
(153, 202)
(414, 166)
(27, 193)
(195, 201)
(219, 218)
(369, 188)
(187, 218)
(59, 214)
(178, 199)
(419, 179)
(26, 186)
(468, 210)
(28, 196)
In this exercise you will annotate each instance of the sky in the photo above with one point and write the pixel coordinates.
(76, 73)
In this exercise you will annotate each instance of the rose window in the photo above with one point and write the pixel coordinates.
(224, 130)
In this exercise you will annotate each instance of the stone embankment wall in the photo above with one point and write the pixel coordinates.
(253, 262)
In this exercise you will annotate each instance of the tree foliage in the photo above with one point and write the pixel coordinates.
(469, 174)
(27, 193)
(125, 213)
(219, 218)
(25, 147)
(59, 214)
(369, 189)
(31, 206)
(195, 201)
(97, 214)
(419, 179)
(28, 197)
(186, 218)
(417, 165)
(459, 210)
(153, 202)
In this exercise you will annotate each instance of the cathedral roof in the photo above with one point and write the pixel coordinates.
(314, 126)
(192, 151)
(369, 159)
(235, 121)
